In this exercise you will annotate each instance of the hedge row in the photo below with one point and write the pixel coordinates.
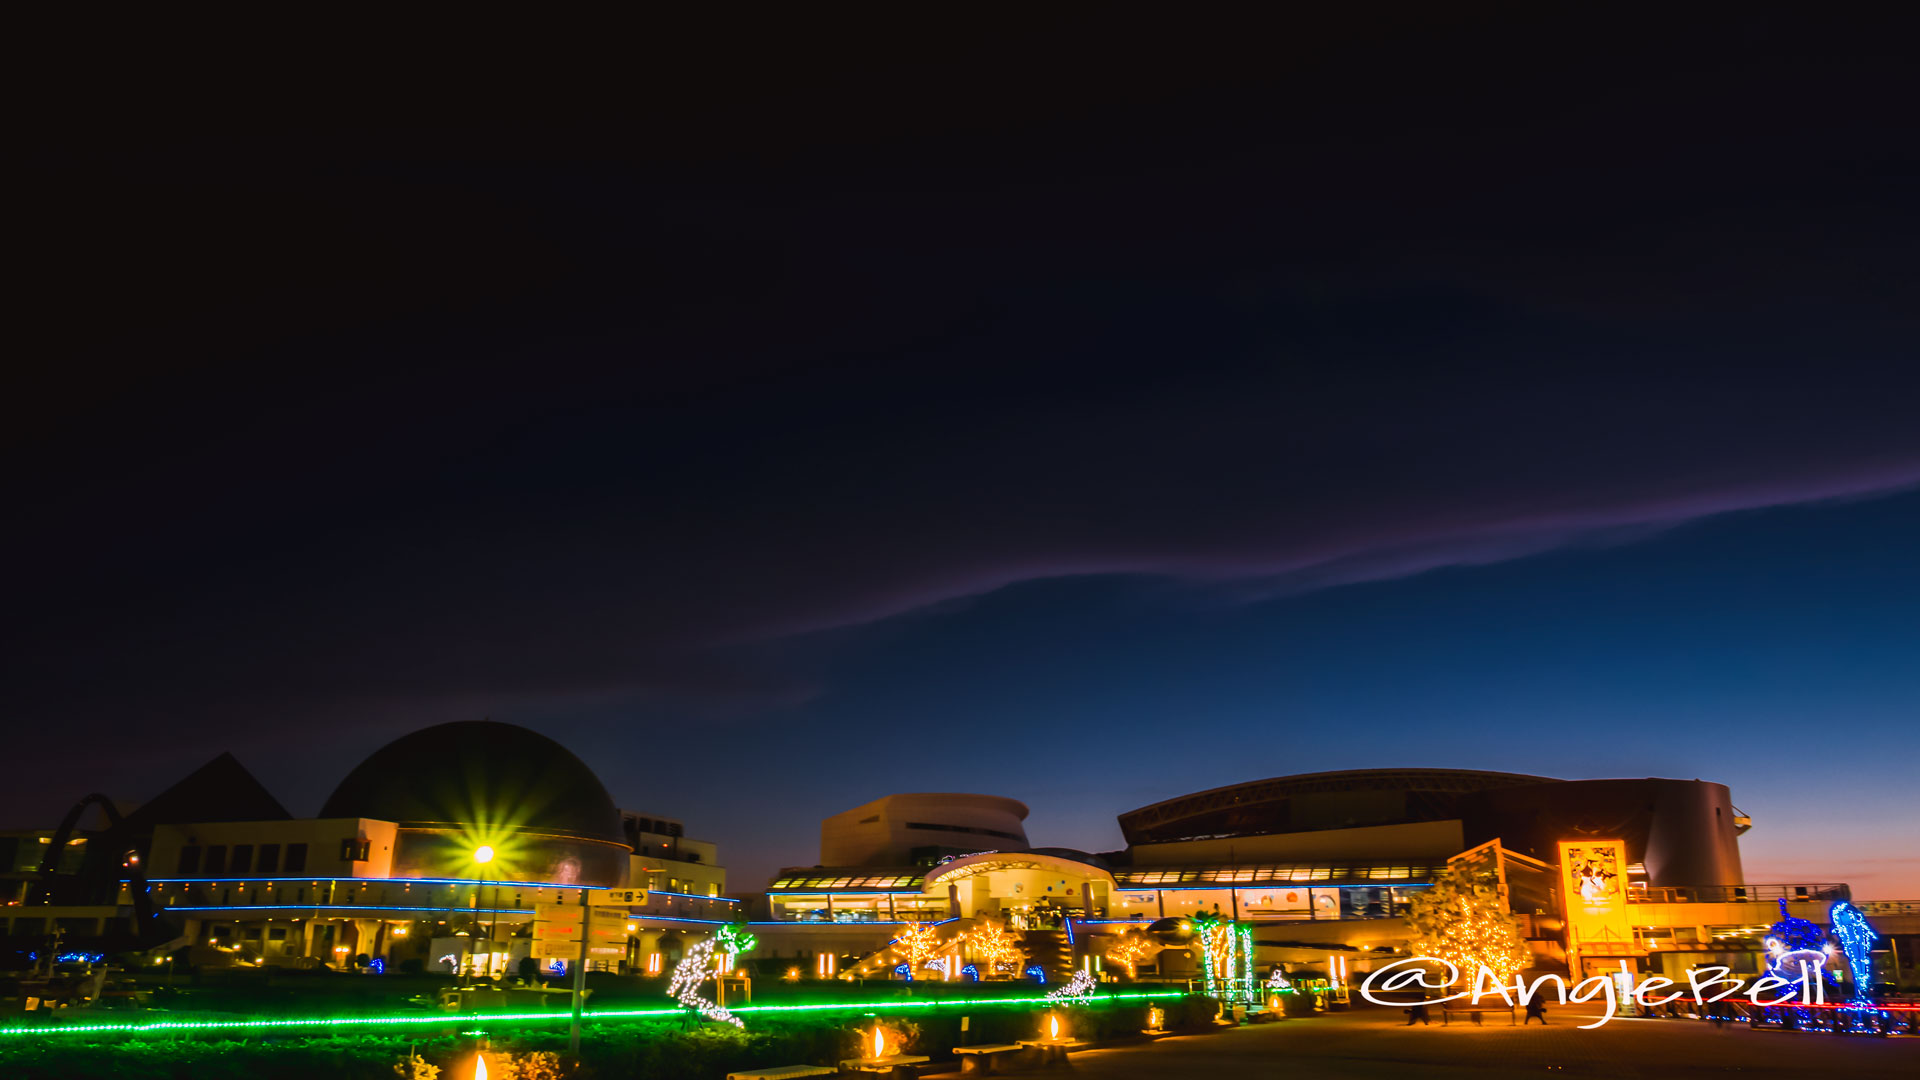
(659, 1050)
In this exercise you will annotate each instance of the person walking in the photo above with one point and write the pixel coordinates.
(1536, 1010)
(1419, 1012)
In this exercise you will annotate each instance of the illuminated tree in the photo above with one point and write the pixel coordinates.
(1226, 957)
(991, 944)
(1463, 920)
(1132, 949)
(734, 942)
(917, 945)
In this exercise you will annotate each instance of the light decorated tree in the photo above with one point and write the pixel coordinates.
(917, 945)
(1133, 949)
(1226, 957)
(1463, 920)
(732, 942)
(993, 945)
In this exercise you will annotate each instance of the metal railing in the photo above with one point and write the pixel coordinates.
(1736, 894)
(1888, 907)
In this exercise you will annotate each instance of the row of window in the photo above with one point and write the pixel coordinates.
(935, 826)
(659, 826)
(213, 861)
(869, 881)
(1129, 879)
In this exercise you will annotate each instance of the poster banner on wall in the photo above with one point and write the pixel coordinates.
(1594, 883)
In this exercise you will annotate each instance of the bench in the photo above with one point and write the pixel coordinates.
(978, 1060)
(1473, 1013)
(784, 1072)
(899, 1066)
(1052, 1052)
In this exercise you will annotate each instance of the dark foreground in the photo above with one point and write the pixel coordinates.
(1373, 1043)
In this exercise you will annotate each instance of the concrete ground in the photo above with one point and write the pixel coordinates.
(1374, 1042)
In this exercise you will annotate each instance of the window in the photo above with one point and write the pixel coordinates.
(276, 934)
(269, 858)
(190, 860)
(296, 858)
(932, 826)
(242, 859)
(354, 849)
(216, 863)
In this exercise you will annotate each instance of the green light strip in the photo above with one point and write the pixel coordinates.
(598, 1014)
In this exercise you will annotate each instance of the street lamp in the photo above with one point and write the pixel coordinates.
(483, 855)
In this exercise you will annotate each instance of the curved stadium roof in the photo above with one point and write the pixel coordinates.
(479, 772)
(1260, 806)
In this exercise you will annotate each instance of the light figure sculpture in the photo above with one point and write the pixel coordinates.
(1796, 950)
(1856, 941)
(688, 974)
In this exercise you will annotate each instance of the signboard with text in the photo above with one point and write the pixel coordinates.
(558, 929)
(618, 898)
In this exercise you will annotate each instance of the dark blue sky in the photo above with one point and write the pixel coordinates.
(1774, 651)
(1092, 411)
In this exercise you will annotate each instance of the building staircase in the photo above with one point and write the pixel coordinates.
(1052, 951)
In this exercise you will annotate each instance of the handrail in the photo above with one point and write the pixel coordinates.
(1736, 894)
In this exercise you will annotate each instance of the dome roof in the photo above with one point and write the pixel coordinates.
(479, 772)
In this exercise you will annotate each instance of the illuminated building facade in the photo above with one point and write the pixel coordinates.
(1323, 866)
(432, 853)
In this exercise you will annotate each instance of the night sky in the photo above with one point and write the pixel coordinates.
(1083, 410)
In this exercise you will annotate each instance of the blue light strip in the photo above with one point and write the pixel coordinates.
(846, 893)
(441, 909)
(1258, 885)
(289, 879)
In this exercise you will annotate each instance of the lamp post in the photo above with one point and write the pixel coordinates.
(482, 855)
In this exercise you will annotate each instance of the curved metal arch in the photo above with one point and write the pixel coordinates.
(136, 874)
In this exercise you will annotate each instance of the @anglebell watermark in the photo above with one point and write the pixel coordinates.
(1428, 973)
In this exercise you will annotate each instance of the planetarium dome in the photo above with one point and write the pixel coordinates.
(454, 787)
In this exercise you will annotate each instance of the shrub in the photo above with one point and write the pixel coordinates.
(657, 1049)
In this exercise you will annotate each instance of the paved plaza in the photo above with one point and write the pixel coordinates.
(1375, 1043)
